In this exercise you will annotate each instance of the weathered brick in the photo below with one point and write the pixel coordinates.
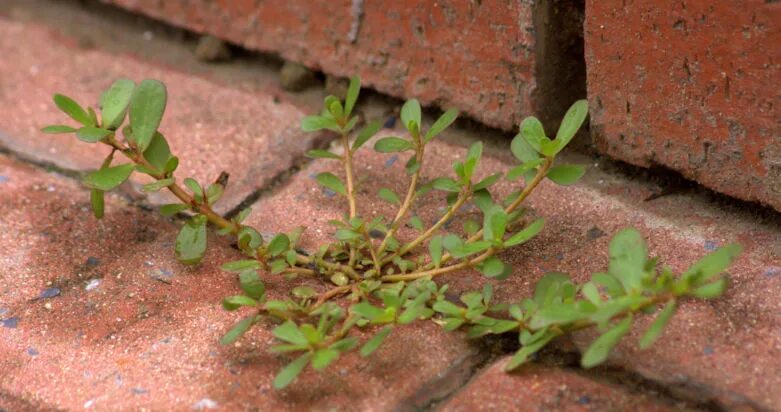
(211, 128)
(691, 86)
(497, 61)
(536, 387)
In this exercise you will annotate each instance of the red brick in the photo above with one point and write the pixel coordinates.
(690, 86)
(133, 342)
(496, 61)
(724, 351)
(211, 128)
(536, 387)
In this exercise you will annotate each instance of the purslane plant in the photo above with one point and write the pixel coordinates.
(391, 281)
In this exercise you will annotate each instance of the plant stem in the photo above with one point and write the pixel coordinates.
(430, 232)
(406, 205)
(541, 173)
(440, 271)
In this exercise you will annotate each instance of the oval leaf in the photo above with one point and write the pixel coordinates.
(108, 178)
(147, 106)
(115, 101)
(566, 174)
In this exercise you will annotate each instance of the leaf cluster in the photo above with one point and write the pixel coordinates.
(391, 281)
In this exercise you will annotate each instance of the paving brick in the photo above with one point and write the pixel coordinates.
(210, 127)
(688, 85)
(129, 328)
(497, 61)
(545, 388)
(724, 351)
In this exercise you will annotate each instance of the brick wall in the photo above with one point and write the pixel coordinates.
(688, 85)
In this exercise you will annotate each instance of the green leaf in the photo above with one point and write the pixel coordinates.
(172, 209)
(147, 106)
(58, 128)
(278, 244)
(441, 124)
(526, 234)
(191, 241)
(523, 354)
(487, 182)
(555, 314)
(240, 265)
(323, 358)
(157, 185)
(524, 170)
(345, 345)
(388, 196)
(566, 174)
(194, 187)
(447, 184)
(657, 327)
(548, 288)
(416, 223)
(315, 123)
(600, 348)
(237, 301)
(494, 224)
(435, 250)
(522, 150)
(291, 371)
(352, 95)
(214, 192)
(591, 292)
(108, 178)
(96, 199)
(572, 121)
(251, 284)
(467, 249)
(114, 102)
(238, 330)
(392, 144)
(611, 284)
(448, 308)
(91, 134)
(533, 133)
(158, 153)
(472, 159)
(628, 254)
(712, 264)
(322, 154)
(711, 290)
(494, 268)
(366, 133)
(289, 332)
(72, 109)
(372, 344)
(347, 235)
(410, 112)
(332, 182)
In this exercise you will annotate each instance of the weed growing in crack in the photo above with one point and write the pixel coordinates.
(391, 282)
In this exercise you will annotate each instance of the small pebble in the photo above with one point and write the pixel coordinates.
(139, 391)
(49, 293)
(3, 179)
(92, 284)
(391, 161)
(390, 122)
(92, 261)
(205, 403)
(772, 271)
(10, 323)
(708, 350)
(48, 305)
(594, 233)
(710, 245)
(584, 400)
(328, 192)
(32, 351)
